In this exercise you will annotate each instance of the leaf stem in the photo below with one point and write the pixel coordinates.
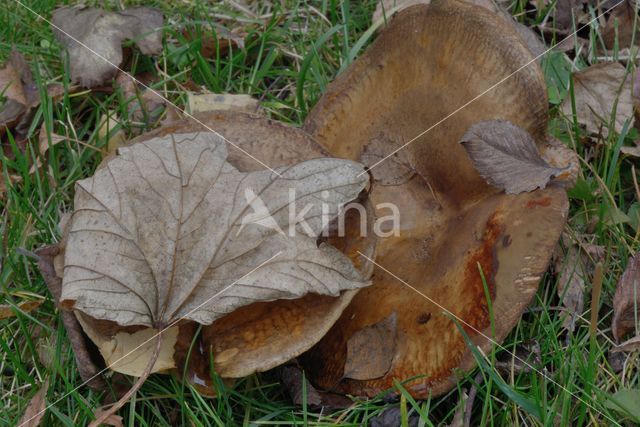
(103, 416)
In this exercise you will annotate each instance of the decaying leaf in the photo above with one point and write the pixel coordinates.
(200, 103)
(370, 351)
(36, 408)
(620, 25)
(168, 230)
(597, 91)
(626, 301)
(20, 94)
(94, 37)
(7, 310)
(571, 283)
(507, 157)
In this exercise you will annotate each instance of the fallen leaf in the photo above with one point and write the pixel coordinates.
(217, 41)
(370, 350)
(199, 103)
(7, 310)
(626, 301)
(597, 90)
(298, 387)
(93, 38)
(571, 283)
(620, 26)
(20, 92)
(626, 402)
(566, 12)
(144, 107)
(167, 225)
(506, 156)
(629, 345)
(36, 408)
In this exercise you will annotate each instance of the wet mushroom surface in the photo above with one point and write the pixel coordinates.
(454, 229)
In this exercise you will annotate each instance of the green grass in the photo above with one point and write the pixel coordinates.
(289, 58)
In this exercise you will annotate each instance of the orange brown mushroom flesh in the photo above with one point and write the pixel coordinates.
(262, 335)
(428, 62)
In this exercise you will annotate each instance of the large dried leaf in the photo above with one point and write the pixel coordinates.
(99, 36)
(598, 91)
(626, 301)
(507, 157)
(170, 229)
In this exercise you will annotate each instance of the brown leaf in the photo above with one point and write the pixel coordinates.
(571, 283)
(7, 310)
(629, 345)
(370, 350)
(94, 37)
(597, 90)
(620, 23)
(219, 227)
(626, 301)
(107, 129)
(292, 380)
(507, 157)
(20, 91)
(36, 408)
(199, 103)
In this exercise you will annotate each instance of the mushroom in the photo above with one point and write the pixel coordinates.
(431, 74)
(254, 337)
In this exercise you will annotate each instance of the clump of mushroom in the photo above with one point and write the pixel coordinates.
(433, 73)
(138, 271)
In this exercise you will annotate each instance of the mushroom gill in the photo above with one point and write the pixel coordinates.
(432, 73)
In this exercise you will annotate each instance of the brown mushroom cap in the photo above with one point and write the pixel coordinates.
(262, 335)
(426, 64)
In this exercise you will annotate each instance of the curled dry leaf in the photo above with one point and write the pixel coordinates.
(94, 37)
(20, 94)
(626, 300)
(598, 90)
(371, 350)
(119, 267)
(507, 157)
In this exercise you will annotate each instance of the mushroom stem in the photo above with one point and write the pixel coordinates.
(124, 399)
